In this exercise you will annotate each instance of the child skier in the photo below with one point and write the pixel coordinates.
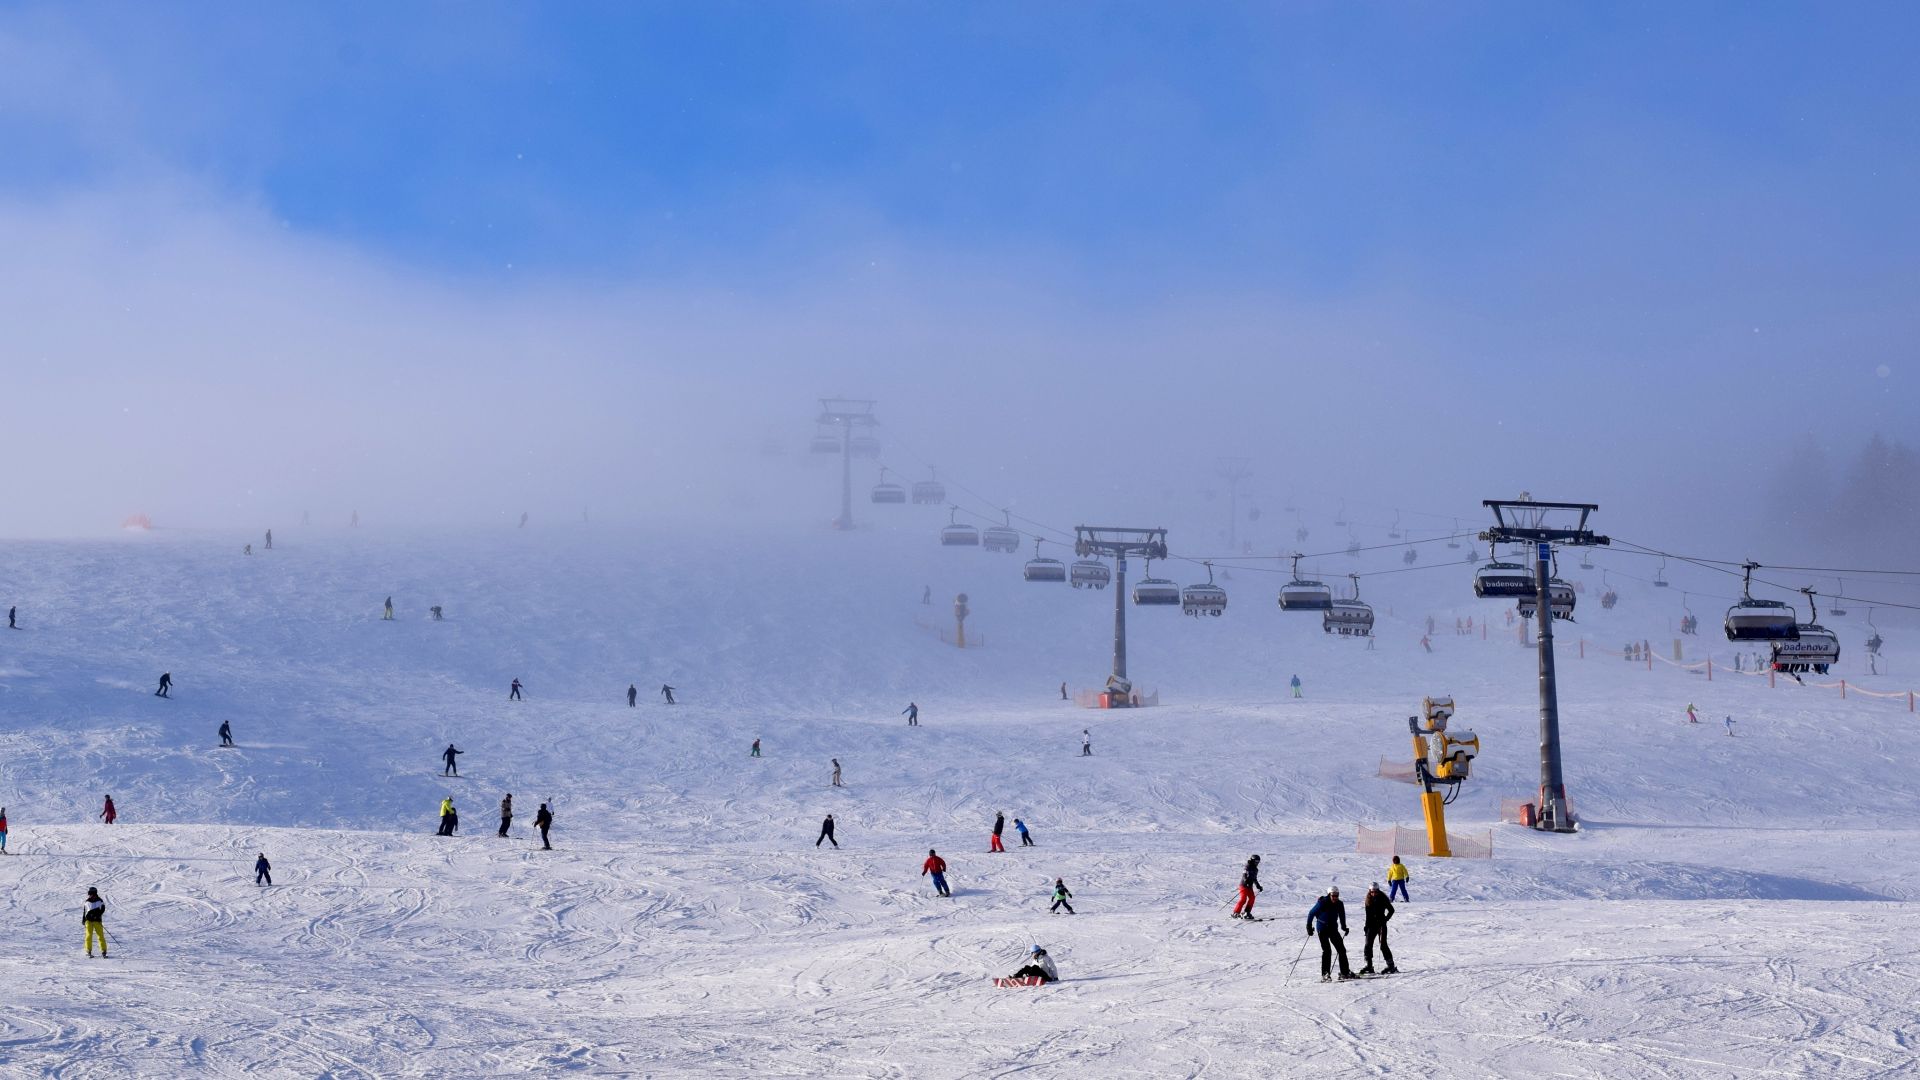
(1691, 718)
(107, 812)
(1021, 828)
(1397, 880)
(1296, 686)
(1061, 896)
(262, 870)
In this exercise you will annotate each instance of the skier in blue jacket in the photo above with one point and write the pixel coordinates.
(1328, 917)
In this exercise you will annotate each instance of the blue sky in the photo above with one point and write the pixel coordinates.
(1398, 207)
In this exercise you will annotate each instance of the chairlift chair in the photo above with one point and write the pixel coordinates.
(825, 442)
(887, 492)
(1453, 541)
(1043, 569)
(1349, 618)
(1874, 642)
(1393, 531)
(1003, 538)
(1760, 620)
(1501, 580)
(929, 492)
(1814, 648)
(1835, 609)
(1586, 560)
(1560, 601)
(865, 446)
(958, 535)
(1155, 592)
(1301, 594)
(1208, 599)
(1089, 574)
(1660, 575)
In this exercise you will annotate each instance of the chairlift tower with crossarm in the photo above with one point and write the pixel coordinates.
(847, 414)
(1526, 521)
(1091, 540)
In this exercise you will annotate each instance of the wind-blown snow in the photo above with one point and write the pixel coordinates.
(1734, 907)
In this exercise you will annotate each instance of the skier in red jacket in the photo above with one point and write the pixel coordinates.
(936, 866)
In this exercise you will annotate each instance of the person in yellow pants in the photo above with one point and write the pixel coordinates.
(90, 917)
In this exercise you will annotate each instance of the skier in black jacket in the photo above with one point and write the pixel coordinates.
(262, 870)
(448, 755)
(1329, 917)
(1378, 910)
(1249, 884)
(826, 832)
(506, 813)
(544, 821)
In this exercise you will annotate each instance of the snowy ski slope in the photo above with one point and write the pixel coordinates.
(1735, 907)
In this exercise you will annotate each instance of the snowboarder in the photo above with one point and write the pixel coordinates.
(999, 825)
(936, 866)
(107, 813)
(912, 713)
(447, 817)
(226, 733)
(826, 833)
(262, 870)
(756, 747)
(436, 613)
(3, 830)
(1691, 718)
(633, 695)
(1063, 691)
(1086, 742)
(1397, 880)
(836, 773)
(269, 539)
(11, 612)
(1296, 685)
(1039, 966)
(1729, 727)
(248, 550)
(513, 691)
(93, 918)
(543, 820)
(1021, 828)
(1377, 910)
(166, 685)
(448, 755)
(1061, 896)
(1329, 917)
(388, 613)
(1249, 884)
(666, 692)
(506, 813)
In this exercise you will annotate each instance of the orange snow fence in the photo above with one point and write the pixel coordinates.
(1402, 841)
(136, 521)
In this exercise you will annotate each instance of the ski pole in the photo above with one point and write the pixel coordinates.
(1297, 959)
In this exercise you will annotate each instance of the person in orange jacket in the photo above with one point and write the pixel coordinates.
(936, 866)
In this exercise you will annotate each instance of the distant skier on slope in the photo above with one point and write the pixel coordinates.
(447, 817)
(1061, 896)
(1729, 727)
(1039, 966)
(513, 691)
(755, 752)
(1397, 880)
(262, 870)
(1426, 643)
(926, 595)
(166, 685)
(1691, 718)
(1086, 742)
(448, 755)
(3, 830)
(1063, 691)
(836, 773)
(93, 918)
(387, 614)
(11, 612)
(826, 832)
(1377, 911)
(912, 713)
(1249, 885)
(1295, 683)
(999, 826)
(107, 813)
(1329, 917)
(226, 733)
(667, 692)
(543, 820)
(633, 695)
(1026, 840)
(269, 539)
(506, 813)
(936, 866)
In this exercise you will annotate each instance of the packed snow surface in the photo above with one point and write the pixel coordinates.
(1734, 906)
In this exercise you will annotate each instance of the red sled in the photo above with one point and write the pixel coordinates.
(1025, 980)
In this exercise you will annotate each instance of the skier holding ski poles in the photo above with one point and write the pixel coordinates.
(1328, 917)
(1249, 884)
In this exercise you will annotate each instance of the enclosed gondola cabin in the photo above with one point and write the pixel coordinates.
(1090, 574)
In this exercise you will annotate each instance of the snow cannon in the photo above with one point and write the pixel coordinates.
(1453, 753)
(1441, 761)
(1438, 710)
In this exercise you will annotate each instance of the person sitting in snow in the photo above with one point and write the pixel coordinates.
(1039, 966)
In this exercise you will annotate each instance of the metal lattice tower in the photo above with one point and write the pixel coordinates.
(1090, 540)
(1524, 521)
(1233, 470)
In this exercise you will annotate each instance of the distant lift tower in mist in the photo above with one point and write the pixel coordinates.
(847, 414)
(1091, 540)
(1233, 470)
(1524, 521)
